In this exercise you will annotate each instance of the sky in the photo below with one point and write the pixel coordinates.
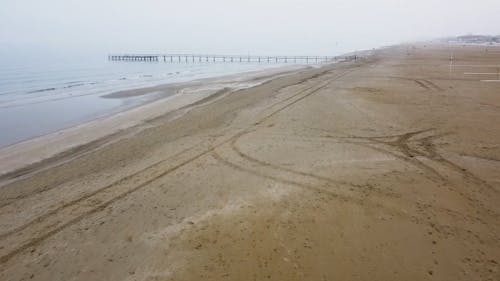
(265, 27)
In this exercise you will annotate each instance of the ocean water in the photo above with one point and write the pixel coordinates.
(40, 97)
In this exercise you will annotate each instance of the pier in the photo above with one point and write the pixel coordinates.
(197, 58)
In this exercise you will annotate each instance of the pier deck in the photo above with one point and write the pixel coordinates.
(198, 58)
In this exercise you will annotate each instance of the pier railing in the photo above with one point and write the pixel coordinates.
(196, 58)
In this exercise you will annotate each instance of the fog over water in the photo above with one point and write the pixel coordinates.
(289, 27)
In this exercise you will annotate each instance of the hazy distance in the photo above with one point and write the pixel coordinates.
(291, 27)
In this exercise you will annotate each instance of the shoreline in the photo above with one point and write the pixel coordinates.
(359, 170)
(162, 99)
(26, 116)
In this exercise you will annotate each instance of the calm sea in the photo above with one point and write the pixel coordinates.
(37, 98)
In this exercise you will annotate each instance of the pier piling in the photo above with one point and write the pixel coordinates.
(199, 58)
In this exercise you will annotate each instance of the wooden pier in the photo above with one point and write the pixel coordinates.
(194, 58)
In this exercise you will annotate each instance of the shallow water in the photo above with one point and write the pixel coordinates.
(37, 98)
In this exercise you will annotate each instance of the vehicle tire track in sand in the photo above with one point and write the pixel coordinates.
(425, 212)
(423, 216)
(401, 145)
(32, 242)
(35, 241)
(428, 151)
(358, 200)
(309, 187)
(56, 160)
(93, 146)
(95, 192)
(432, 85)
(316, 89)
(82, 150)
(249, 158)
(300, 94)
(423, 83)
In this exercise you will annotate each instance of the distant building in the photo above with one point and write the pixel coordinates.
(477, 39)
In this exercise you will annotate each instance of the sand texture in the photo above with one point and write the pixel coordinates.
(385, 168)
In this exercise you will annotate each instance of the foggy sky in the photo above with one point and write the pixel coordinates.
(291, 27)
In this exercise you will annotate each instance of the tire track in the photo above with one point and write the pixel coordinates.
(247, 157)
(423, 83)
(428, 85)
(81, 151)
(361, 201)
(308, 187)
(432, 85)
(96, 192)
(152, 166)
(56, 160)
(316, 89)
(401, 145)
(37, 240)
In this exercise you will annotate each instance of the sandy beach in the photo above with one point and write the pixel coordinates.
(383, 168)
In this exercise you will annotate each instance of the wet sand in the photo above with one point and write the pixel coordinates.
(172, 99)
(386, 168)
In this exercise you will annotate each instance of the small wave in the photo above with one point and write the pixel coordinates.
(42, 90)
(74, 85)
(73, 82)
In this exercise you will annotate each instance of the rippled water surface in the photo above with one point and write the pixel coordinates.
(41, 97)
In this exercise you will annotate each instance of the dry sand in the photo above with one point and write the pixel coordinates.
(387, 168)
